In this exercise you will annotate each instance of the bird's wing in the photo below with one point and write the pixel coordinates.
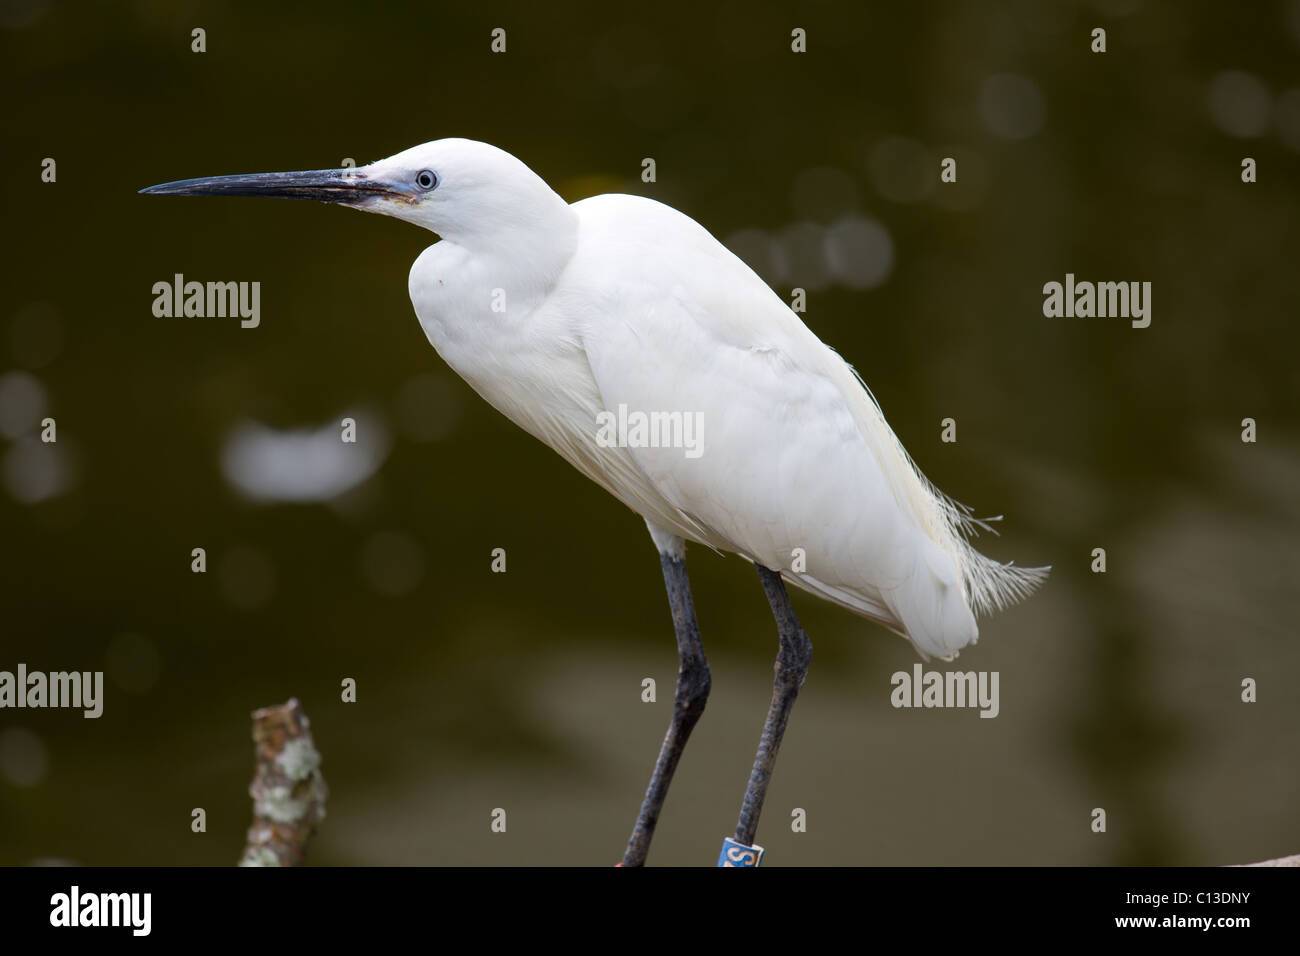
(787, 472)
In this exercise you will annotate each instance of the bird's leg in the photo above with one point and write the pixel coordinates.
(791, 667)
(693, 683)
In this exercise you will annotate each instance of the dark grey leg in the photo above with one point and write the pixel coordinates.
(792, 662)
(693, 682)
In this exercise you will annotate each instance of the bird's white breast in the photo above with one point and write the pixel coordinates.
(652, 313)
(528, 360)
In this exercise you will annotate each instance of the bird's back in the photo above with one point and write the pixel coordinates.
(797, 468)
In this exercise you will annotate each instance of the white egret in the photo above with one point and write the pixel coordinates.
(564, 316)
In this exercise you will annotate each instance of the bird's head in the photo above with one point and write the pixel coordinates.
(466, 191)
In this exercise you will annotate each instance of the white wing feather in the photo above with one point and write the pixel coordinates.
(796, 452)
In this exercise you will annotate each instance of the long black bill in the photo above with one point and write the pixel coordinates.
(348, 186)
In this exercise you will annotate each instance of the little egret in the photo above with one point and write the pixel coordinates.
(565, 317)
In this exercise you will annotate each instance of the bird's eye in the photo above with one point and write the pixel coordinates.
(426, 179)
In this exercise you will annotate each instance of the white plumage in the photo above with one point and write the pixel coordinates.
(561, 314)
(555, 313)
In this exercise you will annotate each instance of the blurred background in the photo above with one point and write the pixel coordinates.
(522, 690)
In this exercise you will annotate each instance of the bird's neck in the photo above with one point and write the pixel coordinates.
(469, 289)
(522, 238)
(526, 259)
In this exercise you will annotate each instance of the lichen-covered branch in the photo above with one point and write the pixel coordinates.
(288, 790)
